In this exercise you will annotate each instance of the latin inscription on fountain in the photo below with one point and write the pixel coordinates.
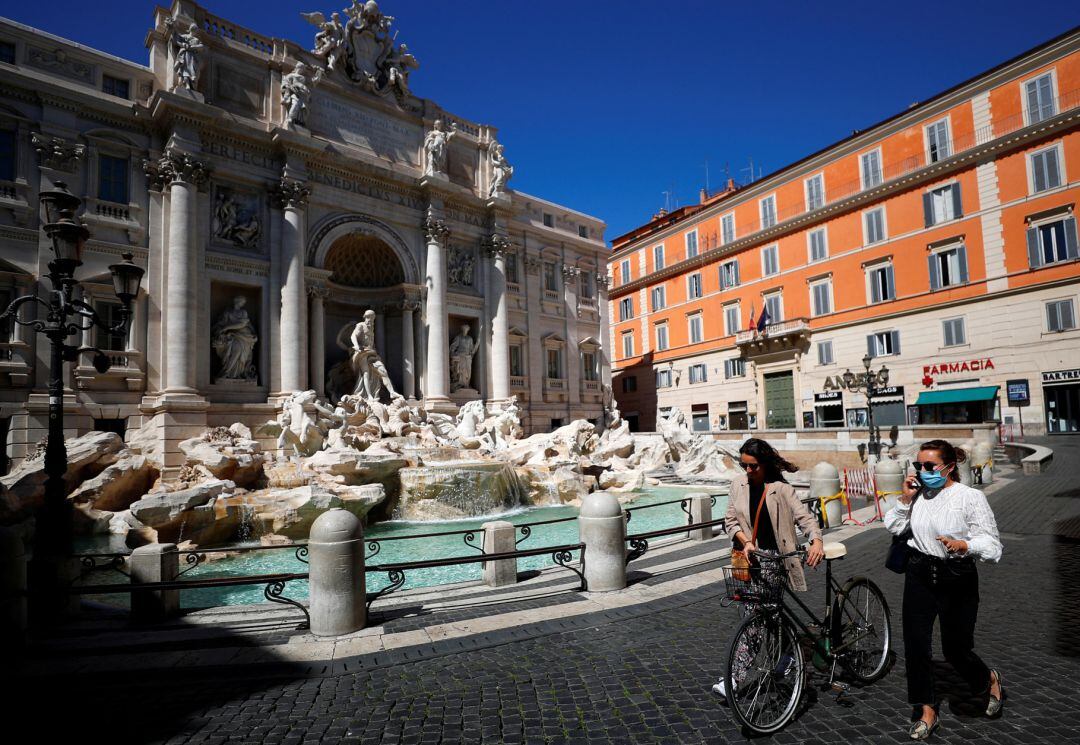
(386, 137)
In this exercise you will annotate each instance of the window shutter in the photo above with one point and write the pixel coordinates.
(928, 208)
(895, 341)
(1033, 100)
(1052, 174)
(871, 347)
(736, 273)
(1066, 314)
(875, 287)
(935, 272)
(890, 287)
(961, 259)
(947, 326)
(958, 208)
(1070, 237)
(1034, 255)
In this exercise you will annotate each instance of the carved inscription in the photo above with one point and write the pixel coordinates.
(357, 186)
(386, 137)
(246, 157)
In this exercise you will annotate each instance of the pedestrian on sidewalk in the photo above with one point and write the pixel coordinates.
(763, 510)
(950, 525)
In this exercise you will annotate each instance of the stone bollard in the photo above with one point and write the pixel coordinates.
(700, 512)
(963, 470)
(337, 593)
(602, 528)
(981, 455)
(825, 482)
(158, 562)
(889, 477)
(12, 587)
(500, 537)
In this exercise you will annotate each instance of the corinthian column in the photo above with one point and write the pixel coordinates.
(292, 196)
(408, 349)
(500, 322)
(438, 353)
(317, 351)
(184, 175)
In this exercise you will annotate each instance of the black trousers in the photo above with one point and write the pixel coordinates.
(949, 590)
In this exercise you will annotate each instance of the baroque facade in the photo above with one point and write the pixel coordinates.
(942, 242)
(274, 194)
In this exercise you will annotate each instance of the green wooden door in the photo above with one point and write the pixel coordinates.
(780, 401)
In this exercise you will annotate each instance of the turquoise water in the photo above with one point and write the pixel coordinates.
(397, 551)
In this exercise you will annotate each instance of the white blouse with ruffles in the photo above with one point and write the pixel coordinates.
(958, 512)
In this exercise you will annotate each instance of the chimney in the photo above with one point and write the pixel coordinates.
(703, 196)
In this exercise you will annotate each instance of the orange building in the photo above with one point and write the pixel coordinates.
(942, 242)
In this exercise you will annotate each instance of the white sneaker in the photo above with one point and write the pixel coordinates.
(720, 688)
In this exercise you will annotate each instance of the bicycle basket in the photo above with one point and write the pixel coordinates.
(763, 583)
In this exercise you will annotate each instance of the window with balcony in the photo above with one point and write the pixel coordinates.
(691, 244)
(696, 328)
(938, 146)
(586, 285)
(882, 284)
(870, 168)
(626, 308)
(770, 260)
(624, 272)
(731, 319)
(112, 179)
(874, 225)
(661, 337)
(659, 298)
(699, 373)
(1045, 169)
(821, 297)
(517, 361)
(110, 314)
(658, 257)
(1052, 241)
(948, 267)
(589, 369)
(942, 204)
(551, 276)
(1060, 315)
(6, 324)
(883, 344)
(693, 286)
(815, 192)
(663, 378)
(768, 211)
(554, 363)
(825, 352)
(7, 155)
(817, 243)
(735, 368)
(727, 228)
(952, 330)
(628, 344)
(512, 268)
(774, 304)
(729, 275)
(1039, 98)
(115, 86)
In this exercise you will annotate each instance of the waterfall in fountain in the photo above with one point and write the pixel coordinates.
(449, 490)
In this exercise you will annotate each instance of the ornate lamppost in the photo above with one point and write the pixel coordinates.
(63, 316)
(869, 382)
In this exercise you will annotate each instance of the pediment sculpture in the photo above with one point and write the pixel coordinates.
(363, 50)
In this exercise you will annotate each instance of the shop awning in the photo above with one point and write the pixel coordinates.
(958, 395)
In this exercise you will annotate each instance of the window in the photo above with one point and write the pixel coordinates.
(554, 363)
(626, 308)
(729, 275)
(882, 286)
(113, 179)
(7, 155)
(937, 141)
(883, 343)
(948, 267)
(583, 231)
(774, 304)
(588, 365)
(629, 384)
(874, 225)
(816, 240)
(770, 260)
(1039, 97)
(658, 257)
(727, 228)
(517, 362)
(815, 192)
(768, 211)
(114, 86)
(731, 319)
(551, 276)
(628, 344)
(735, 368)
(586, 284)
(697, 332)
(1045, 170)
(663, 378)
(549, 220)
(7, 52)
(6, 324)
(821, 294)
(699, 373)
(110, 315)
(870, 166)
(1060, 315)
(953, 331)
(942, 204)
(512, 268)
(693, 286)
(661, 337)
(1053, 241)
(825, 353)
(659, 298)
(691, 244)
(699, 417)
(624, 271)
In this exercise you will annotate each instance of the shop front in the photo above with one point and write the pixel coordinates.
(888, 406)
(829, 409)
(973, 405)
(1061, 393)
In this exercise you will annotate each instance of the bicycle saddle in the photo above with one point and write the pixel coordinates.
(835, 550)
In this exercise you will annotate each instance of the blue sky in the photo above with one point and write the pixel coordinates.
(604, 106)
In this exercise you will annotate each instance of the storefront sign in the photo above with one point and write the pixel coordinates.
(951, 368)
(1019, 391)
(891, 390)
(828, 397)
(1061, 376)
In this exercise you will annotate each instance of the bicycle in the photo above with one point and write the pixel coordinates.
(766, 670)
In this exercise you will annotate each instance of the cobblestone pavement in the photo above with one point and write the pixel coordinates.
(642, 679)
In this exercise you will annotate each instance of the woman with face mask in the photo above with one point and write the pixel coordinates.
(951, 526)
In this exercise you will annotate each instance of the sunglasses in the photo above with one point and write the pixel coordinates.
(927, 466)
(749, 466)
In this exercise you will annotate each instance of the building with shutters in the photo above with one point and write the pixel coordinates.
(941, 241)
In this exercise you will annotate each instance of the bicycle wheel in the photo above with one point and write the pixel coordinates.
(862, 630)
(764, 673)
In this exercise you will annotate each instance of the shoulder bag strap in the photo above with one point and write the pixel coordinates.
(757, 516)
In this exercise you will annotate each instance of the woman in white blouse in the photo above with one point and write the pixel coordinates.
(950, 526)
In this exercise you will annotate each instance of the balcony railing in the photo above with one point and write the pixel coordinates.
(557, 384)
(774, 331)
(519, 381)
(587, 302)
(552, 295)
(590, 386)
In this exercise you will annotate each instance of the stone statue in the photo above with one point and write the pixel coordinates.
(235, 222)
(462, 349)
(186, 50)
(225, 210)
(295, 94)
(371, 375)
(462, 267)
(501, 170)
(330, 43)
(233, 338)
(435, 146)
(399, 64)
(247, 233)
(505, 427)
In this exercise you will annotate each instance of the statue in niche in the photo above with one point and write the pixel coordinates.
(462, 349)
(233, 339)
(296, 93)
(462, 267)
(501, 170)
(186, 50)
(236, 221)
(436, 143)
(371, 375)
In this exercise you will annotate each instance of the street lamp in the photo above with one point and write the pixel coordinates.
(869, 382)
(64, 316)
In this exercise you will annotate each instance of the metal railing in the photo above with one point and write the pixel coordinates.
(639, 542)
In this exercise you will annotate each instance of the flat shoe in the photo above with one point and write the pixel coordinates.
(922, 731)
(995, 705)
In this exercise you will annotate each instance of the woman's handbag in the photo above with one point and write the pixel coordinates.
(740, 564)
(899, 551)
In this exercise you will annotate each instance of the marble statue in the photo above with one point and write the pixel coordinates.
(186, 50)
(235, 222)
(461, 269)
(612, 416)
(296, 93)
(504, 427)
(233, 339)
(436, 143)
(330, 43)
(398, 66)
(371, 375)
(462, 349)
(501, 170)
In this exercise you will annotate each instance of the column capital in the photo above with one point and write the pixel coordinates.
(176, 166)
(56, 152)
(320, 292)
(290, 194)
(409, 305)
(496, 245)
(603, 282)
(570, 272)
(436, 229)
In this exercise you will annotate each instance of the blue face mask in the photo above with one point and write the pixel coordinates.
(932, 479)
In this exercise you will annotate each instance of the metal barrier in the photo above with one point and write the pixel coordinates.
(639, 542)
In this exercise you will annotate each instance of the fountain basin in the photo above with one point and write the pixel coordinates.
(453, 490)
